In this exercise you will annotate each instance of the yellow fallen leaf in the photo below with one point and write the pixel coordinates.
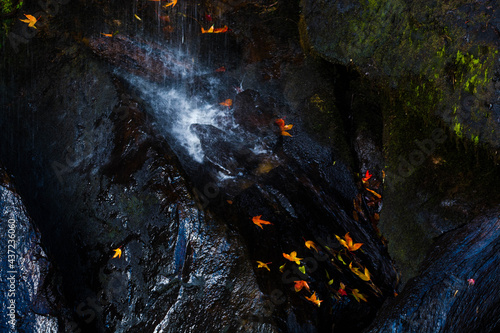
(348, 243)
(292, 257)
(357, 295)
(137, 17)
(118, 253)
(210, 30)
(263, 265)
(30, 19)
(363, 276)
(171, 3)
(310, 244)
(314, 299)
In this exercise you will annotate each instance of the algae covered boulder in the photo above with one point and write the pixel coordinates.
(432, 68)
(441, 58)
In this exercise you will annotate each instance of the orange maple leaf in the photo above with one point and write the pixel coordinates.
(283, 128)
(263, 265)
(256, 220)
(310, 244)
(301, 284)
(209, 31)
(348, 243)
(107, 35)
(30, 19)
(228, 102)
(118, 253)
(314, 299)
(213, 30)
(292, 257)
(220, 30)
(171, 3)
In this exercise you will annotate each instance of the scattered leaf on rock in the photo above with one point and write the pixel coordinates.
(228, 102)
(348, 243)
(367, 176)
(310, 244)
(256, 220)
(31, 20)
(283, 128)
(213, 30)
(118, 253)
(358, 296)
(292, 257)
(263, 265)
(171, 3)
(341, 290)
(363, 276)
(300, 284)
(314, 299)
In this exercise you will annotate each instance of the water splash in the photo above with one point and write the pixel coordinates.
(175, 110)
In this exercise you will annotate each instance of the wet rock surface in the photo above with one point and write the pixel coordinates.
(443, 58)
(138, 57)
(30, 294)
(458, 272)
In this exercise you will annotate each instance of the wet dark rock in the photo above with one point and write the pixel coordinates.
(139, 57)
(441, 59)
(252, 113)
(30, 297)
(457, 285)
(369, 153)
(226, 152)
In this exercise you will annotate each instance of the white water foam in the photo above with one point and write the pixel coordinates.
(175, 112)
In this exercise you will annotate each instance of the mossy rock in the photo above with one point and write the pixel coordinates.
(435, 68)
(441, 58)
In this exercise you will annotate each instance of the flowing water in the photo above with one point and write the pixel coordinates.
(188, 112)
